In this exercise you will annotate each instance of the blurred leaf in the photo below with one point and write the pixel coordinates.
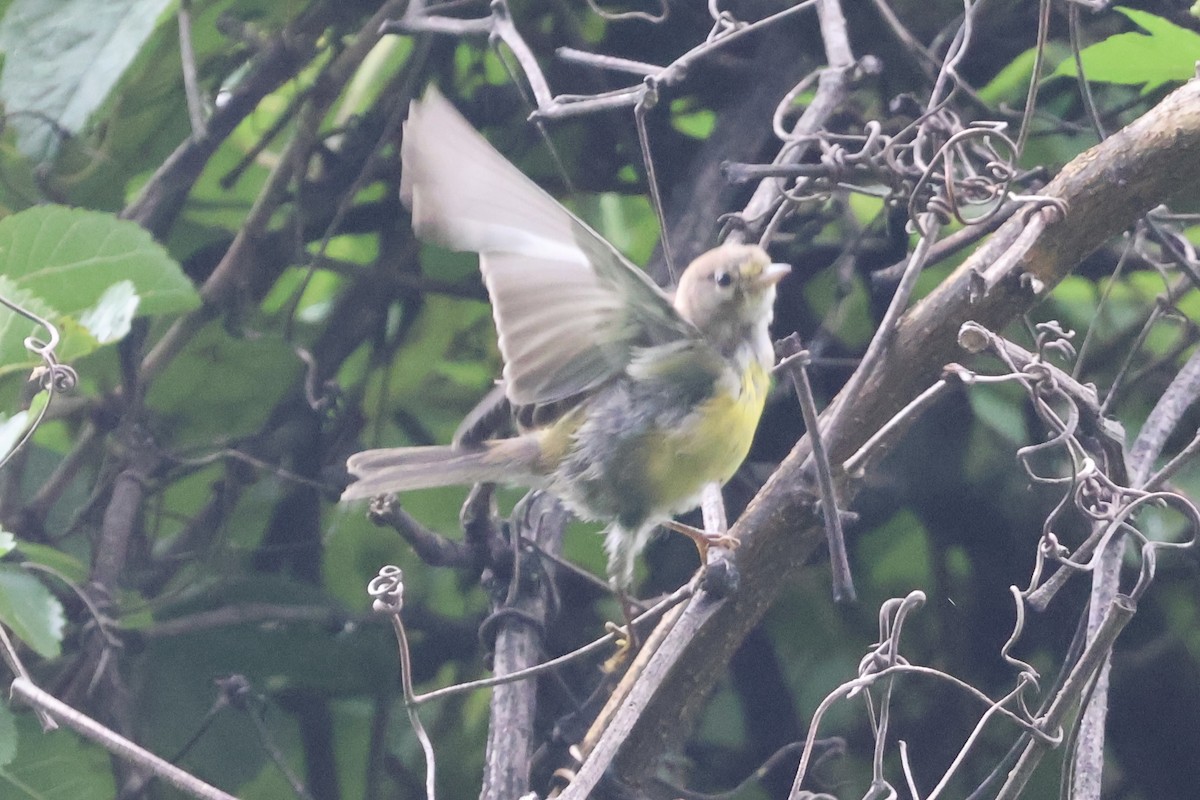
(110, 319)
(628, 221)
(15, 327)
(16, 426)
(31, 611)
(866, 207)
(387, 56)
(1000, 408)
(1012, 81)
(276, 657)
(697, 123)
(723, 725)
(478, 68)
(11, 429)
(1166, 53)
(7, 542)
(447, 364)
(8, 736)
(63, 58)
(899, 555)
(57, 764)
(66, 565)
(1075, 299)
(235, 381)
(854, 325)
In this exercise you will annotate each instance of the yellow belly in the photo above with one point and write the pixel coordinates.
(710, 445)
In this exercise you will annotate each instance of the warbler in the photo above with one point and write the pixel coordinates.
(634, 399)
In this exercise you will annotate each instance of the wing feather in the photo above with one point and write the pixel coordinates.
(569, 308)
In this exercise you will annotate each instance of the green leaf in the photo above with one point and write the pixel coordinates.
(11, 429)
(900, 553)
(14, 427)
(865, 207)
(1011, 82)
(1166, 53)
(68, 567)
(238, 381)
(695, 122)
(62, 59)
(999, 408)
(86, 272)
(110, 319)
(15, 327)
(70, 257)
(57, 764)
(29, 609)
(387, 56)
(627, 221)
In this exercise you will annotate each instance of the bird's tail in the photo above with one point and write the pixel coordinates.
(401, 469)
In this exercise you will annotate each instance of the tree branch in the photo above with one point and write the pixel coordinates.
(1106, 189)
(521, 616)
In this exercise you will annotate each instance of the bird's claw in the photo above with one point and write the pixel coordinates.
(703, 539)
(625, 646)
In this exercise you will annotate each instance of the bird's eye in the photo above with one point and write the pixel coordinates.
(723, 279)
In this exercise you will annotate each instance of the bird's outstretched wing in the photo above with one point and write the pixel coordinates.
(569, 308)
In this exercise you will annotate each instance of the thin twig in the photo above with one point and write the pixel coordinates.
(187, 56)
(119, 746)
(387, 592)
(9, 654)
(1115, 620)
(795, 358)
(1181, 394)
(1190, 451)
(597, 645)
(648, 101)
(880, 343)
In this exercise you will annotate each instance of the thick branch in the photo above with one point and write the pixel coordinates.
(1106, 189)
(520, 619)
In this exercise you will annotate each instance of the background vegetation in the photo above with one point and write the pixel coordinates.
(211, 297)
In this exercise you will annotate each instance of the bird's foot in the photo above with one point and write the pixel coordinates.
(625, 648)
(628, 641)
(703, 539)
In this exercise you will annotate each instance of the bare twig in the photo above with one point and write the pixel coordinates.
(119, 746)
(1162, 421)
(187, 54)
(794, 357)
(601, 644)
(1115, 620)
(387, 593)
(432, 548)
(8, 653)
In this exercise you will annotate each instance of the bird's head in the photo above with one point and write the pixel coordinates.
(729, 290)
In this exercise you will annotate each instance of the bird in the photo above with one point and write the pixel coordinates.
(629, 399)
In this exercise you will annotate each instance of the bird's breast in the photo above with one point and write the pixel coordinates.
(641, 452)
(711, 443)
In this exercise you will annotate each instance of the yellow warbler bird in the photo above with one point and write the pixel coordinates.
(649, 397)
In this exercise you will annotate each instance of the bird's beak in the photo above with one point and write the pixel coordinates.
(773, 274)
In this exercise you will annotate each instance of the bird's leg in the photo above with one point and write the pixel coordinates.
(628, 635)
(629, 611)
(628, 641)
(703, 539)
